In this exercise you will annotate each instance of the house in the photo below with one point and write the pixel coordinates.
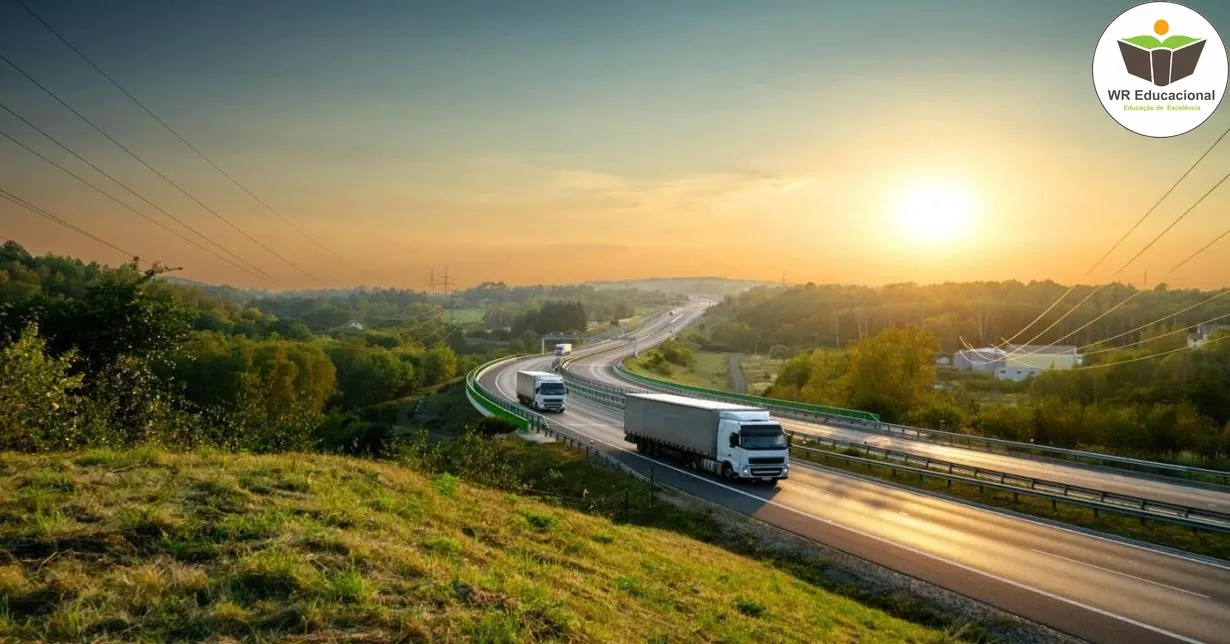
(1203, 333)
(943, 361)
(353, 325)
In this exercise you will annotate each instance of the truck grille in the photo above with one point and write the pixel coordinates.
(766, 471)
(766, 460)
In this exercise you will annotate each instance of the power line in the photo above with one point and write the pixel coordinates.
(46, 215)
(1181, 329)
(1140, 221)
(1146, 325)
(117, 200)
(251, 268)
(151, 168)
(177, 134)
(1129, 263)
(1103, 365)
(1176, 221)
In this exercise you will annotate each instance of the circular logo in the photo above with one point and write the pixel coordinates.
(1160, 69)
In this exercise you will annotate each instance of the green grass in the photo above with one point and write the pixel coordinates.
(710, 370)
(1162, 533)
(150, 546)
(759, 370)
(471, 315)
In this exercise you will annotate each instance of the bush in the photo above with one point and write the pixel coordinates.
(37, 396)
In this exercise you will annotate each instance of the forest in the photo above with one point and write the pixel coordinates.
(96, 355)
(1127, 398)
(977, 313)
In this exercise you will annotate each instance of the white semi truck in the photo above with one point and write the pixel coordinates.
(739, 442)
(541, 391)
(563, 349)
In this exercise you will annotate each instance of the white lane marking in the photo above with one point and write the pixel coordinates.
(1166, 553)
(1116, 572)
(867, 535)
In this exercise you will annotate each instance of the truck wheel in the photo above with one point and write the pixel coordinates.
(727, 472)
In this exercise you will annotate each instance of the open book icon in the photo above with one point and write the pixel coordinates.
(1161, 62)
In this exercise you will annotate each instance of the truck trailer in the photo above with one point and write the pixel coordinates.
(563, 349)
(541, 391)
(739, 442)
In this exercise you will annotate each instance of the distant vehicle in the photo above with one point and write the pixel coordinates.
(541, 391)
(563, 349)
(739, 442)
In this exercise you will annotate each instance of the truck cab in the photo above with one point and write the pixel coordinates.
(753, 448)
(541, 390)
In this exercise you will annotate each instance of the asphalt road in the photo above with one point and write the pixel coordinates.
(1092, 587)
(601, 368)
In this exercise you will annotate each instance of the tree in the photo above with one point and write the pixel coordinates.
(891, 371)
(37, 396)
(439, 364)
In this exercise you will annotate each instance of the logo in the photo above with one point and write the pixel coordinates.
(1160, 45)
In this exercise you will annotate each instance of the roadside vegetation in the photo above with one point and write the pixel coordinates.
(146, 545)
(180, 462)
(1174, 408)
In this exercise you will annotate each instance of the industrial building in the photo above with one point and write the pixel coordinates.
(1018, 361)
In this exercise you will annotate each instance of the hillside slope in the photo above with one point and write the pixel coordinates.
(150, 546)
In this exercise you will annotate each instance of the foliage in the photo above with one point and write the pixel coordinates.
(40, 410)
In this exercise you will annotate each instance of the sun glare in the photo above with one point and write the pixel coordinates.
(934, 212)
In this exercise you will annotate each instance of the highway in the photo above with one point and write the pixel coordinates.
(1092, 587)
(601, 368)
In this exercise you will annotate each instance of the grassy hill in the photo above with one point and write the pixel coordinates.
(150, 546)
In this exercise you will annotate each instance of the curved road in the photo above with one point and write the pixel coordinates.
(601, 368)
(1092, 587)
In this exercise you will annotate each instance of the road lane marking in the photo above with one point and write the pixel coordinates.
(923, 553)
(1021, 517)
(1116, 572)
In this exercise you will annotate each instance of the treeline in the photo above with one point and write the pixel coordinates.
(91, 355)
(981, 313)
(1174, 407)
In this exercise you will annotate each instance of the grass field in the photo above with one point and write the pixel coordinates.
(472, 315)
(759, 370)
(151, 546)
(709, 371)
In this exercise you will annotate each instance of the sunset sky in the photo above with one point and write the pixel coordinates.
(562, 141)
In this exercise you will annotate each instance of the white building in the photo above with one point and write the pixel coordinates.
(987, 359)
(1203, 333)
(1018, 361)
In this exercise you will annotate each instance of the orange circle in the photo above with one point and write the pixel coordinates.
(1161, 27)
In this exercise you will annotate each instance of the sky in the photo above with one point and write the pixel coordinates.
(560, 141)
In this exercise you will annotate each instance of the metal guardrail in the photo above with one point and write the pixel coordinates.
(1211, 518)
(982, 484)
(524, 419)
(939, 437)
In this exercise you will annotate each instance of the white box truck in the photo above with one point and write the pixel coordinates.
(563, 349)
(541, 391)
(740, 442)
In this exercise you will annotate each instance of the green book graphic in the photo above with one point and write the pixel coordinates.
(1161, 62)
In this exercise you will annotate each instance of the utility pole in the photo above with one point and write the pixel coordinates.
(431, 282)
(447, 294)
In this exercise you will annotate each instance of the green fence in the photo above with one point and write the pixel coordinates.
(808, 408)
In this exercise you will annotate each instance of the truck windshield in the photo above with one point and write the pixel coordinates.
(551, 389)
(762, 437)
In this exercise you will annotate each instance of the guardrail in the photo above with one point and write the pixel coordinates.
(982, 484)
(1211, 518)
(523, 419)
(807, 408)
(939, 437)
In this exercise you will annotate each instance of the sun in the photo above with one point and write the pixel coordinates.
(934, 212)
